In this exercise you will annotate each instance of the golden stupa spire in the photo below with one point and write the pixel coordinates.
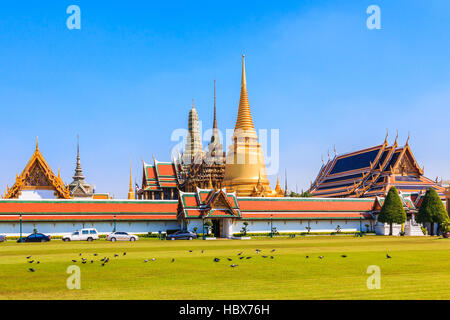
(244, 119)
(278, 184)
(130, 190)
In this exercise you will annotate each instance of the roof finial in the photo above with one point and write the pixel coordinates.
(37, 143)
(407, 140)
(193, 103)
(334, 148)
(396, 137)
(387, 135)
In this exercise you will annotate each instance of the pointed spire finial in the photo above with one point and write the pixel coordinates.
(396, 137)
(407, 140)
(37, 143)
(215, 119)
(334, 148)
(131, 195)
(387, 135)
(210, 186)
(244, 120)
(285, 183)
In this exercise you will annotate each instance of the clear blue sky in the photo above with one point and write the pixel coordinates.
(125, 81)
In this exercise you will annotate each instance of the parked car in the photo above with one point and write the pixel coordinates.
(2, 238)
(35, 237)
(182, 235)
(86, 234)
(121, 236)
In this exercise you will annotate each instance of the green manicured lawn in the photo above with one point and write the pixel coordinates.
(419, 269)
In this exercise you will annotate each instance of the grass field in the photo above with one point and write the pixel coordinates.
(418, 269)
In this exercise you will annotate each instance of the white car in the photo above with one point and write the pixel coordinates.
(121, 236)
(87, 234)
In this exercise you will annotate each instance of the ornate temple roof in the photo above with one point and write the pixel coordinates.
(159, 175)
(371, 172)
(208, 203)
(37, 175)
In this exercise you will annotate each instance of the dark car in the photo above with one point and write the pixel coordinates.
(35, 237)
(2, 238)
(182, 235)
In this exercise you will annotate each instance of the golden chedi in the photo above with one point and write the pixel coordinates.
(245, 170)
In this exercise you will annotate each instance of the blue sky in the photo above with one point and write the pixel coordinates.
(125, 81)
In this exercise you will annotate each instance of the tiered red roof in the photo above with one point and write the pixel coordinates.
(160, 175)
(208, 203)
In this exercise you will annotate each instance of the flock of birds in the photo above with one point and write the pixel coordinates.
(241, 257)
(82, 259)
(105, 260)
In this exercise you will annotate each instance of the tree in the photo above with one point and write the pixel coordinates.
(244, 228)
(392, 210)
(432, 210)
(208, 225)
(304, 194)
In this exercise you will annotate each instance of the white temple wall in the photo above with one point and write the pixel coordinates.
(37, 194)
(263, 226)
(104, 227)
(229, 227)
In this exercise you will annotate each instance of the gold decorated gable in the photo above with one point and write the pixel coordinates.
(220, 201)
(37, 175)
(406, 164)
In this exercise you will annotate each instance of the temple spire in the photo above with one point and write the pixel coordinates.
(285, 183)
(78, 170)
(215, 118)
(131, 195)
(244, 119)
(193, 148)
(78, 187)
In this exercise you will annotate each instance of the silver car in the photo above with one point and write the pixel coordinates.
(121, 236)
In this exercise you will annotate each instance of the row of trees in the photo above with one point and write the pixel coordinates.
(431, 211)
